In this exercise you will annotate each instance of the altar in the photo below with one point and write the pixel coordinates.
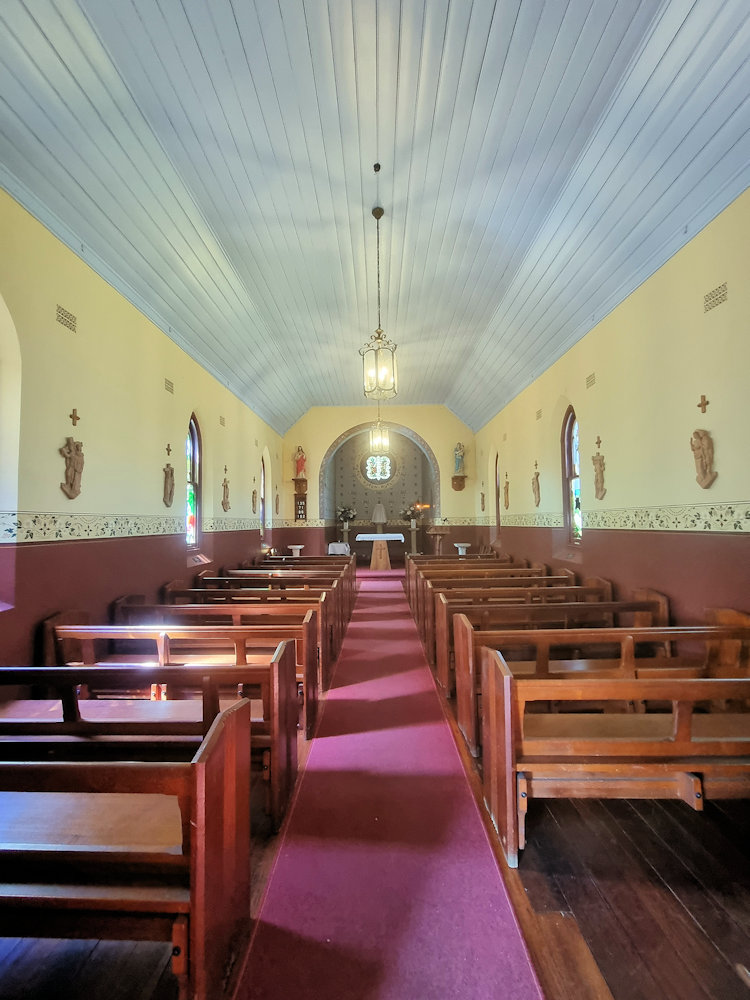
(380, 558)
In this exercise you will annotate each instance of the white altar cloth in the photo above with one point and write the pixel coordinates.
(380, 536)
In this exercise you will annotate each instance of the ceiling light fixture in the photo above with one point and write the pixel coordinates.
(379, 353)
(380, 439)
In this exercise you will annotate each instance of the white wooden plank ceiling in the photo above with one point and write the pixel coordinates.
(214, 160)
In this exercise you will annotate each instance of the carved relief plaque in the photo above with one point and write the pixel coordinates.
(703, 452)
(72, 452)
(168, 485)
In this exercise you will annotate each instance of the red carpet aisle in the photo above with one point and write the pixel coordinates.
(385, 886)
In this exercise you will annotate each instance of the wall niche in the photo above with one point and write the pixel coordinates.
(403, 479)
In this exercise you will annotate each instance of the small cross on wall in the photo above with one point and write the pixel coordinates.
(74, 416)
(598, 442)
(168, 449)
(703, 404)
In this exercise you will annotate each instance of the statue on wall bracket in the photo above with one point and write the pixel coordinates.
(458, 480)
(703, 453)
(168, 485)
(72, 452)
(300, 463)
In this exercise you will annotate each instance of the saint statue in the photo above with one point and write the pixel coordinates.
(458, 458)
(600, 490)
(300, 463)
(535, 488)
(703, 453)
(73, 455)
(168, 485)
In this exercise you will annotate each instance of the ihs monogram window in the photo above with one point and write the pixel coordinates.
(378, 468)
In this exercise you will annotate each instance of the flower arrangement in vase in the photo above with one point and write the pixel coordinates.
(345, 514)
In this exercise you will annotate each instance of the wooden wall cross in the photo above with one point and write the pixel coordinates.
(74, 416)
(168, 449)
(701, 406)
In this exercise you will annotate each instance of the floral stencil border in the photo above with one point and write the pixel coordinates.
(26, 526)
(722, 517)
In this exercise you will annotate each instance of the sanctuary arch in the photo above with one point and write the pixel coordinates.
(326, 483)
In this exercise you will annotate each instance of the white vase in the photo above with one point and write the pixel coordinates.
(413, 523)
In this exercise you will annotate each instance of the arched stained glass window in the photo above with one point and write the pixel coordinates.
(193, 497)
(571, 477)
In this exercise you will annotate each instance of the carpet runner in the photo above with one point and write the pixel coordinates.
(385, 886)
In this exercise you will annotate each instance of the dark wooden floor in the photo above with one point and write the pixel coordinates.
(660, 894)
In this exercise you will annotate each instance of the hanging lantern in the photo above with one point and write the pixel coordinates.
(379, 353)
(380, 439)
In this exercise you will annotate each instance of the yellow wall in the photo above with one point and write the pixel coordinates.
(112, 370)
(653, 357)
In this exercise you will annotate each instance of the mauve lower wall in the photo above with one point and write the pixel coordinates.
(42, 578)
(696, 571)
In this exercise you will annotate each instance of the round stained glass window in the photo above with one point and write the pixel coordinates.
(378, 468)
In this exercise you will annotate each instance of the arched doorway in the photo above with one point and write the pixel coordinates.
(10, 435)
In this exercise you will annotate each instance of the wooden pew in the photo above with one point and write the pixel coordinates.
(581, 649)
(476, 573)
(412, 563)
(438, 642)
(191, 888)
(298, 575)
(479, 604)
(336, 604)
(263, 612)
(479, 628)
(680, 753)
(501, 577)
(274, 737)
(429, 589)
(301, 627)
